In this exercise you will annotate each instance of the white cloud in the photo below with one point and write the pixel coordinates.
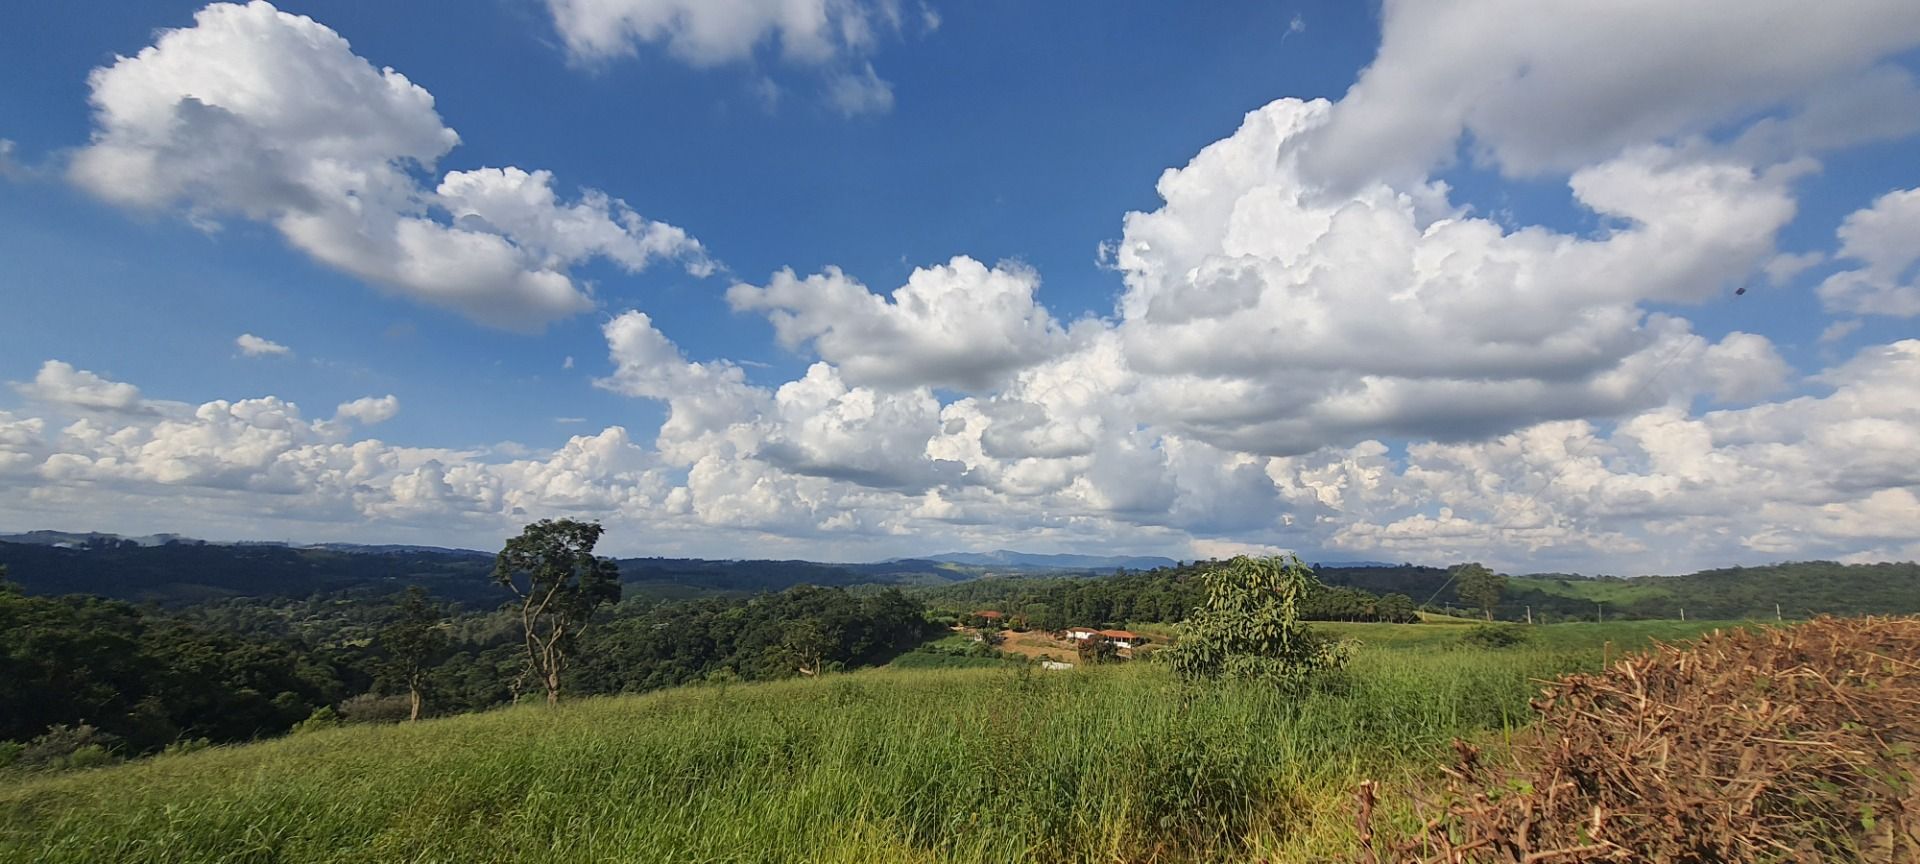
(60, 383)
(10, 167)
(1317, 347)
(1550, 87)
(959, 325)
(271, 116)
(860, 92)
(368, 410)
(255, 346)
(830, 35)
(1880, 237)
(1249, 268)
(1839, 330)
(711, 32)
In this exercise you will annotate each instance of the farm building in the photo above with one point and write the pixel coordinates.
(1123, 638)
(1120, 638)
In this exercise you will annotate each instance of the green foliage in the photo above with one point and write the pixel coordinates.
(1250, 628)
(1165, 594)
(942, 767)
(1096, 651)
(1479, 587)
(760, 638)
(1495, 635)
(413, 644)
(64, 747)
(322, 718)
(560, 582)
(146, 678)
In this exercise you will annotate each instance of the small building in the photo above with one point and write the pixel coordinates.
(990, 615)
(1055, 665)
(1080, 634)
(1122, 638)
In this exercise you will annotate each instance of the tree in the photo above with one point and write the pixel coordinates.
(413, 644)
(1396, 608)
(805, 646)
(1480, 586)
(1249, 627)
(560, 582)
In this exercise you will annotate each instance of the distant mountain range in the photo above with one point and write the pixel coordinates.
(173, 569)
(1007, 559)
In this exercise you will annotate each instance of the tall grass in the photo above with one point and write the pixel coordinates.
(965, 765)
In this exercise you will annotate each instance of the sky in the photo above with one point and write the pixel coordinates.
(1620, 287)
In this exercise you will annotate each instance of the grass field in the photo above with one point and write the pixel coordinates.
(963, 765)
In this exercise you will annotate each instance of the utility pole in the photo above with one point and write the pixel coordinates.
(1529, 616)
(1776, 612)
(1600, 612)
(1683, 613)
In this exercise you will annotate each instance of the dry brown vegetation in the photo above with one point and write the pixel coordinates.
(1776, 744)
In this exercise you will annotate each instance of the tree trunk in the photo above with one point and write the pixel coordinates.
(413, 699)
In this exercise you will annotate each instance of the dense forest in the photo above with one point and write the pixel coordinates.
(186, 572)
(117, 646)
(89, 674)
(1165, 594)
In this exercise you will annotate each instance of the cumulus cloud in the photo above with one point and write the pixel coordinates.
(59, 383)
(1545, 87)
(1316, 346)
(1881, 239)
(368, 410)
(960, 325)
(271, 116)
(255, 346)
(1249, 269)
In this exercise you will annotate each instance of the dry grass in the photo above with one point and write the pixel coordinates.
(1775, 744)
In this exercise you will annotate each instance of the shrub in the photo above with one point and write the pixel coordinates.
(1495, 635)
(1250, 627)
(370, 708)
(323, 717)
(10, 753)
(63, 746)
(187, 745)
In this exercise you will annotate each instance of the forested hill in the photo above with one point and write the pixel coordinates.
(181, 573)
(1801, 590)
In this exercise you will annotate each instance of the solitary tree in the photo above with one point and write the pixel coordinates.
(413, 642)
(1249, 626)
(1480, 586)
(560, 582)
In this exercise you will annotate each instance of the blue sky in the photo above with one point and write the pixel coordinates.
(1286, 349)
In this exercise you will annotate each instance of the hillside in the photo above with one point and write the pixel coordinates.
(185, 572)
(930, 766)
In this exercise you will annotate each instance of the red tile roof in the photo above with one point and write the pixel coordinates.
(1120, 634)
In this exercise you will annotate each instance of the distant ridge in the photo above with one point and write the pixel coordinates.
(82, 538)
(1009, 559)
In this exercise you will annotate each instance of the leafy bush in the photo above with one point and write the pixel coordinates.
(323, 717)
(63, 746)
(1495, 635)
(1250, 627)
(10, 753)
(187, 745)
(371, 708)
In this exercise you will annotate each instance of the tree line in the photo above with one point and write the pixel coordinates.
(86, 673)
(1165, 594)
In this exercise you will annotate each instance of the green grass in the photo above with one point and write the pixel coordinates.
(964, 765)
